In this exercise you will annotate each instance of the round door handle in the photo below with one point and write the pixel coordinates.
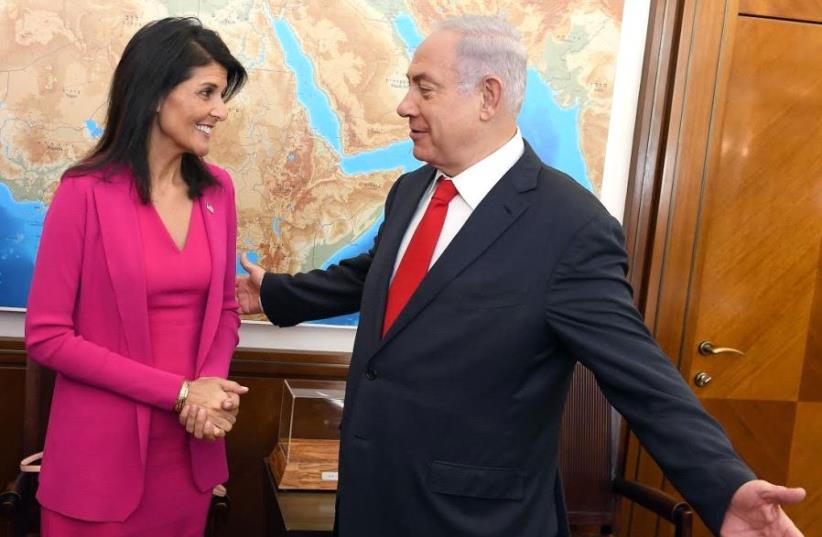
(706, 348)
(702, 379)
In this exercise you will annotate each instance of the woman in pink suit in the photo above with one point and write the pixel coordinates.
(132, 302)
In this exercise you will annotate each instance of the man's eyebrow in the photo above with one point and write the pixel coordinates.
(421, 77)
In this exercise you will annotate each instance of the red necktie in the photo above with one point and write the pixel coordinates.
(417, 257)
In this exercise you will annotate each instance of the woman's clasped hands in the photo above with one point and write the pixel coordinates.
(211, 407)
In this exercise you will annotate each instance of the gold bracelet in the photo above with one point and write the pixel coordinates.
(182, 396)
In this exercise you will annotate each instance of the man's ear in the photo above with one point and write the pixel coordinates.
(491, 97)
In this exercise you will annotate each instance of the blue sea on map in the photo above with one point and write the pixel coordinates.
(94, 129)
(21, 224)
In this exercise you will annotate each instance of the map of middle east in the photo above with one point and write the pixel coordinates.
(313, 142)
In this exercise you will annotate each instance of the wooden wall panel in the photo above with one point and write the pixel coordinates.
(811, 385)
(12, 395)
(806, 468)
(808, 10)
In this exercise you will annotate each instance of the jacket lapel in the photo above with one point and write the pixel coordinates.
(501, 207)
(404, 206)
(214, 214)
(115, 201)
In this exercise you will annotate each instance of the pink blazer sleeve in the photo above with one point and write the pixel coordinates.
(226, 338)
(51, 337)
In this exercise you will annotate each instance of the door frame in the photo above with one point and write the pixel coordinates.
(676, 118)
(681, 92)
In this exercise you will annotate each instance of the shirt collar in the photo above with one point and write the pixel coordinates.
(475, 182)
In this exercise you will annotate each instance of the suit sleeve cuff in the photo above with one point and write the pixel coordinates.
(260, 298)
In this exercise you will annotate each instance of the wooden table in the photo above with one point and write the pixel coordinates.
(296, 513)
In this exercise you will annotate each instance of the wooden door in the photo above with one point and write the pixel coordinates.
(758, 259)
(738, 257)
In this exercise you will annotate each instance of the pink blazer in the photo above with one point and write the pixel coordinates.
(87, 319)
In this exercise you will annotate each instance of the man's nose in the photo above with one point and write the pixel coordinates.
(406, 108)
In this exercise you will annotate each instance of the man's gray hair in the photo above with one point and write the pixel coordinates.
(489, 46)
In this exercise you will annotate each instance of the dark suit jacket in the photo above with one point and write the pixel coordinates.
(451, 421)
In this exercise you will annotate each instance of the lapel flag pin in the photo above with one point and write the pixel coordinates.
(210, 208)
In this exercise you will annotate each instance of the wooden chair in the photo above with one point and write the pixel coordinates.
(18, 503)
(591, 466)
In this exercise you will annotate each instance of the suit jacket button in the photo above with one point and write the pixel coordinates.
(370, 374)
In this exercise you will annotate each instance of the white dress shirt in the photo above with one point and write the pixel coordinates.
(472, 185)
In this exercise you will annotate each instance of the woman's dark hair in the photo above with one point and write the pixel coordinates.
(161, 55)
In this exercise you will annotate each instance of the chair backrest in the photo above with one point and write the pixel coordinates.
(589, 452)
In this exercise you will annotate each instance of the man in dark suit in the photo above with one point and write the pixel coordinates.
(491, 276)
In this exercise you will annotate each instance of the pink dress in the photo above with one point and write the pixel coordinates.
(177, 283)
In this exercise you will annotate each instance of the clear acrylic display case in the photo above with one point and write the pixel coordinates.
(307, 450)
